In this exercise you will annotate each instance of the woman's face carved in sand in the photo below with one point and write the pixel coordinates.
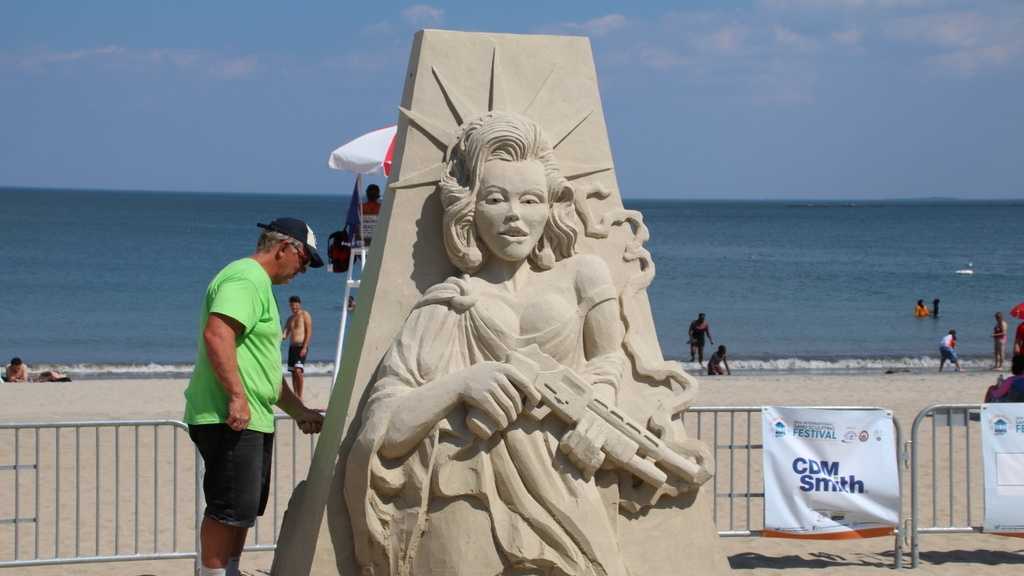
(511, 208)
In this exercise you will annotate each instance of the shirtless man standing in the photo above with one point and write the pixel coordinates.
(698, 332)
(298, 331)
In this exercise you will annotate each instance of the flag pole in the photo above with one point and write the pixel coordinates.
(350, 283)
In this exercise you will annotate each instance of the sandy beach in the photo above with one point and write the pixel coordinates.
(905, 393)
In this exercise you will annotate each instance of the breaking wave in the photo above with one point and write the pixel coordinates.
(900, 364)
(739, 365)
(149, 370)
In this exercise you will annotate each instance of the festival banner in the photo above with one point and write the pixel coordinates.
(1002, 441)
(829, 474)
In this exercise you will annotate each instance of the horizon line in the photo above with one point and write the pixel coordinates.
(6, 187)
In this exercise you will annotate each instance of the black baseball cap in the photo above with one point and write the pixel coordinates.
(300, 231)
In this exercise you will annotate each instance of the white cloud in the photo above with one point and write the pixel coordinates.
(660, 58)
(232, 68)
(843, 4)
(728, 39)
(951, 29)
(970, 61)
(597, 27)
(772, 63)
(851, 37)
(815, 4)
(423, 15)
(967, 42)
(45, 57)
(209, 63)
(787, 38)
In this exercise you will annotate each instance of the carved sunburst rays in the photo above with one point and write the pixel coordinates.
(462, 111)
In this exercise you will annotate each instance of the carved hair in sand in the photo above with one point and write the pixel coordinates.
(507, 137)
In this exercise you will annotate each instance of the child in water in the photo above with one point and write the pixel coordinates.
(717, 361)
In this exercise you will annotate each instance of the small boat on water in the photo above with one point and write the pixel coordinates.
(969, 271)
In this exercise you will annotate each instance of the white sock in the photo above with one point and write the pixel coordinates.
(232, 569)
(204, 571)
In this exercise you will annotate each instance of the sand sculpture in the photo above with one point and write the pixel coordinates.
(514, 414)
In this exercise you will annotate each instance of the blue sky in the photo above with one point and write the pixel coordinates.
(768, 99)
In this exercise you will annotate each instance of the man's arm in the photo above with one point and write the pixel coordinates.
(219, 337)
(309, 421)
(287, 329)
(308, 319)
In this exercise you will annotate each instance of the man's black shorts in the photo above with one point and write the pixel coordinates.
(296, 360)
(237, 479)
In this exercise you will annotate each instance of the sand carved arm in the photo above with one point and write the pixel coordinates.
(488, 388)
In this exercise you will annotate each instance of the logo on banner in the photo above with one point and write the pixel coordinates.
(853, 435)
(824, 476)
(814, 430)
(780, 428)
(1000, 426)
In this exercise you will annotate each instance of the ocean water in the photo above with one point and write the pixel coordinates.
(109, 283)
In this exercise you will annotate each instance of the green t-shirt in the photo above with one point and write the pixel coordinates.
(242, 290)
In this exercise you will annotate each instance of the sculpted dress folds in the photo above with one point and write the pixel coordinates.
(425, 493)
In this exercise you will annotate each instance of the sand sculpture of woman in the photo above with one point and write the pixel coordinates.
(425, 494)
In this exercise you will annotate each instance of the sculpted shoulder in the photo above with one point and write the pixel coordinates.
(590, 271)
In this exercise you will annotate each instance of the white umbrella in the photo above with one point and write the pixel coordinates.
(366, 154)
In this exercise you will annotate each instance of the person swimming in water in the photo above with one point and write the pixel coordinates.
(921, 311)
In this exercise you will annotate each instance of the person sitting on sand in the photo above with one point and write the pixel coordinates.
(51, 376)
(717, 361)
(921, 311)
(1009, 389)
(947, 350)
(17, 371)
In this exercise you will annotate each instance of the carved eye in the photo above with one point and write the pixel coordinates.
(531, 199)
(494, 198)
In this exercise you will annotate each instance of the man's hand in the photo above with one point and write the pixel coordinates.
(310, 421)
(238, 413)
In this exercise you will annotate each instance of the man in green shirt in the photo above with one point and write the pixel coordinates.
(237, 382)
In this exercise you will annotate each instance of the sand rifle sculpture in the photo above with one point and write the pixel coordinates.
(513, 413)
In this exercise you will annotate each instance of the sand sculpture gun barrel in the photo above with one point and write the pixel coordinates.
(564, 393)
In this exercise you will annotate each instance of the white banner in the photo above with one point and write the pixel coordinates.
(1002, 441)
(829, 474)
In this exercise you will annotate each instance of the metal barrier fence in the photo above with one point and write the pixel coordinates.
(735, 435)
(63, 473)
(118, 490)
(952, 475)
(120, 473)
